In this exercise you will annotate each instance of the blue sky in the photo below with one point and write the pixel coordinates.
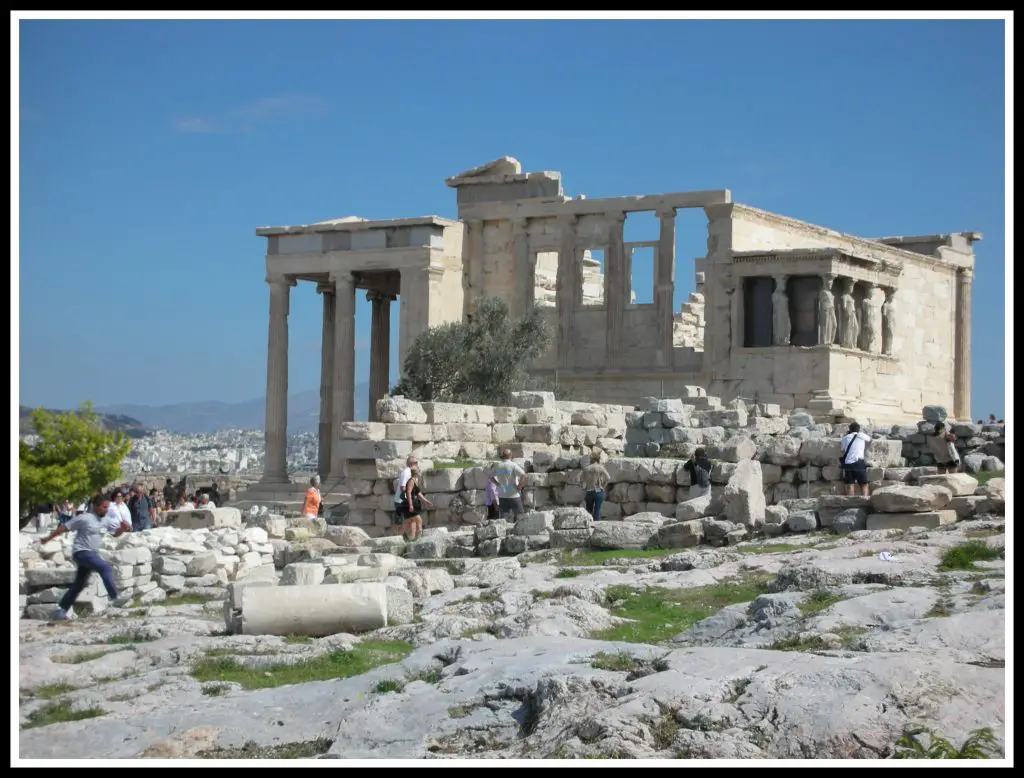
(150, 152)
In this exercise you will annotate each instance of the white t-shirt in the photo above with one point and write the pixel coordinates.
(120, 512)
(857, 442)
(403, 479)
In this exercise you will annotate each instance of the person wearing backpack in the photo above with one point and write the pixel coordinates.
(853, 460)
(699, 468)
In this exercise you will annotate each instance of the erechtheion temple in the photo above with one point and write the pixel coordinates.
(783, 311)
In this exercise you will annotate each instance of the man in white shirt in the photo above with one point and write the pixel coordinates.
(510, 479)
(853, 452)
(403, 479)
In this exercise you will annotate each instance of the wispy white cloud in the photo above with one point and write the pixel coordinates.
(196, 124)
(247, 117)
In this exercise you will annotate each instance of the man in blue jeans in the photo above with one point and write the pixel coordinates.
(89, 529)
(141, 509)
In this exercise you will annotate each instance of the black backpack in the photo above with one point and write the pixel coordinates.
(702, 477)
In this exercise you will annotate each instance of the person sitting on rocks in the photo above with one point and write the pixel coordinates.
(89, 529)
(853, 460)
(941, 445)
(313, 499)
(595, 479)
(699, 467)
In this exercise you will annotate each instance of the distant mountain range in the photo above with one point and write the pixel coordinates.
(130, 426)
(199, 417)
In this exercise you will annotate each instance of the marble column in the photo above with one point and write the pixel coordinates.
(664, 287)
(343, 408)
(473, 277)
(871, 321)
(616, 289)
(380, 347)
(326, 380)
(782, 327)
(522, 268)
(275, 469)
(962, 346)
(566, 278)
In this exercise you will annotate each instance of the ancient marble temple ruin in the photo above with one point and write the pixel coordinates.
(783, 311)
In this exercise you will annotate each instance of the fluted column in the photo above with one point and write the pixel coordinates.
(616, 288)
(664, 288)
(567, 278)
(343, 409)
(962, 346)
(326, 380)
(275, 469)
(523, 269)
(380, 347)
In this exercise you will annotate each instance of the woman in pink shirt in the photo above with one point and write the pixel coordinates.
(491, 500)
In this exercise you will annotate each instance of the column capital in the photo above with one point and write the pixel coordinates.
(280, 279)
(890, 292)
(324, 287)
(434, 270)
(520, 223)
(342, 277)
(781, 278)
(567, 219)
(828, 278)
(966, 274)
(665, 212)
(376, 294)
(616, 218)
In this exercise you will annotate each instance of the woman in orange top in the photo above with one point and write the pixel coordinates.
(311, 505)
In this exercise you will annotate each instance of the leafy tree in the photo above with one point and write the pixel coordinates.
(476, 362)
(73, 458)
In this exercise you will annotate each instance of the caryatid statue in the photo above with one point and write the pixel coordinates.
(780, 313)
(871, 321)
(827, 323)
(888, 320)
(849, 328)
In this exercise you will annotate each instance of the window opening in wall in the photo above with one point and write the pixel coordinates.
(757, 311)
(641, 226)
(545, 280)
(592, 277)
(688, 294)
(641, 275)
(803, 309)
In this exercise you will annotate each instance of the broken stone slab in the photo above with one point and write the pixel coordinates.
(967, 507)
(619, 535)
(902, 498)
(682, 534)
(960, 484)
(696, 508)
(995, 492)
(572, 518)
(831, 505)
(570, 538)
(303, 574)
(743, 499)
(802, 521)
(43, 577)
(926, 519)
(203, 518)
(934, 413)
(317, 611)
(850, 520)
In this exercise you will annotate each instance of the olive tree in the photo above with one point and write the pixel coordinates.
(480, 361)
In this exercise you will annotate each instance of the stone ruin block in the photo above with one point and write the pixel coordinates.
(204, 518)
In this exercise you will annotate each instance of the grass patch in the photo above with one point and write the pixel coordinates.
(817, 601)
(460, 464)
(58, 712)
(847, 638)
(964, 555)
(537, 594)
(738, 688)
(774, 548)
(940, 609)
(51, 690)
(598, 558)
(624, 662)
(123, 697)
(656, 615)
(389, 685)
(298, 639)
(188, 599)
(215, 689)
(980, 744)
(78, 659)
(664, 730)
(459, 711)
(337, 664)
(488, 595)
(566, 572)
(309, 749)
(128, 639)
(985, 476)
(983, 533)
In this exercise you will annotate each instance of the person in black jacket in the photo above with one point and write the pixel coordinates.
(699, 468)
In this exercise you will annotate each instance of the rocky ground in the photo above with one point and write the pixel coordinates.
(807, 646)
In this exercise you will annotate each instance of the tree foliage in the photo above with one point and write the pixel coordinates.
(72, 458)
(476, 362)
(980, 744)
